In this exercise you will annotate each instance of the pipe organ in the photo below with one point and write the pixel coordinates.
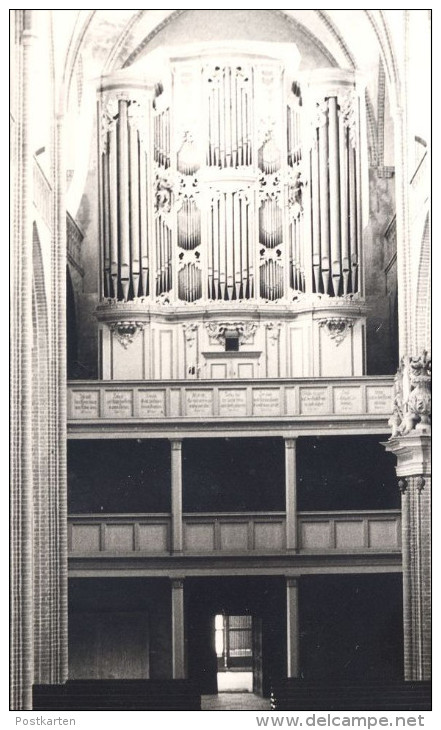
(230, 179)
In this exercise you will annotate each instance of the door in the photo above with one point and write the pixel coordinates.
(257, 656)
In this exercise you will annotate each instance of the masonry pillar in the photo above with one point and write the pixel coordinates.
(413, 453)
(292, 626)
(176, 495)
(411, 444)
(291, 493)
(22, 437)
(178, 639)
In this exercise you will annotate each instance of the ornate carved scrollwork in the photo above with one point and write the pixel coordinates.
(218, 330)
(412, 396)
(126, 331)
(295, 192)
(190, 333)
(273, 330)
(163, 192)
(337, 327)
(347, 103)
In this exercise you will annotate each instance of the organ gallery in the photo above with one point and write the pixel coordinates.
(221, 369)
(230, 180)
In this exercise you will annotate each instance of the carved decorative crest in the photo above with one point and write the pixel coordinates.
(337, 327)
(164, 192)
(125, 332)
(321, 113)
(273, 330)
(270, 187)
(347, 103)
(218, 330)
(412, 395)
(295, 192)
(190, 333)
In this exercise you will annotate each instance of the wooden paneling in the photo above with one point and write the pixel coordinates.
(243, 533)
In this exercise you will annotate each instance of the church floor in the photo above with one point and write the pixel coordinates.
(234, 701)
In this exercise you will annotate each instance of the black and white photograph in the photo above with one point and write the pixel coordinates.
(220, 367)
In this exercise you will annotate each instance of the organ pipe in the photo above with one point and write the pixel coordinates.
(106, 223)
(143, 224)
(271, 280)
(229, 118)
(113, 197)
(315, 214)
(123, 198)
(189, 225)
(230, 269)
(335, 198)
(245, 210)
(334, 195)
(352, 213)
(270, 223)
(324, 202)
(134, 210)
(343, 153)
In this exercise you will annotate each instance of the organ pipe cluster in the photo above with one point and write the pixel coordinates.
(124, 220)
(335, 196)
(233, 186)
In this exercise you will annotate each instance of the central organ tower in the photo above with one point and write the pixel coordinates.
(231, 221)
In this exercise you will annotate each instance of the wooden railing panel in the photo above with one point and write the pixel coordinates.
(235, 533)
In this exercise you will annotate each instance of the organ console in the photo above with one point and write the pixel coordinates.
(229, 179)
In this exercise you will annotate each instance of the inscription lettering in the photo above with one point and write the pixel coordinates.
(118, 403)
(379, 400)
(85, 404)
(266, 402)
(232, 402)
(151, 403)
(347, 400)
(313, 401)
(199, 402)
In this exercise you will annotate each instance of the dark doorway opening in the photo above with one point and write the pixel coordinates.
(234, 651)
(236, 629)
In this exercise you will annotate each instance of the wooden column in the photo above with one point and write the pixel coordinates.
(292, 627)
(291, 494)
(176, 495)
(178, 639)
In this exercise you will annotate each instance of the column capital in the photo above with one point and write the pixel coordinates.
(413, 452)
(176, 444)
(177, 583)
(290, 442)
(402, 485)
(292, 582)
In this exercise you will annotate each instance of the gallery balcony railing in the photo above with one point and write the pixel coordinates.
(244, 533)
(365, 400)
